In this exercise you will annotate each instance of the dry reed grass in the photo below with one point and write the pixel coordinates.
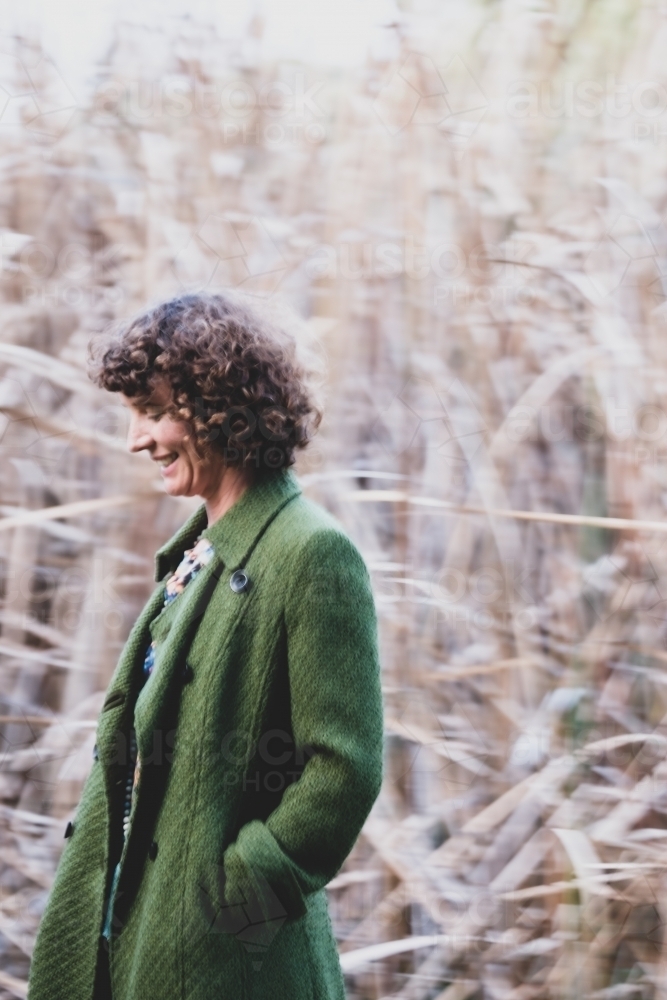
(494, 441)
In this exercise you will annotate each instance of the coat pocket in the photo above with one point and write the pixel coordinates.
(214, 955)
(113, 700)
(257, 870)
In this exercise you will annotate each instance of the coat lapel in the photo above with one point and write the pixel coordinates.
(155, 713)
(117, 704)
(116, 716)
(169, 555)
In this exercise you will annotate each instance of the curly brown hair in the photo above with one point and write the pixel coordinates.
(234, 376)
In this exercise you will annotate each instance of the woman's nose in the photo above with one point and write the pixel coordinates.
(138, 436)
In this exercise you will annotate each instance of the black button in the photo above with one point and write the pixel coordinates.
(152, 850)
(69, 830)
(187, 674)
(239, 581)
(96, 753)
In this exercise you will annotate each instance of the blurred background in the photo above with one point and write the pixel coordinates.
(459, 210)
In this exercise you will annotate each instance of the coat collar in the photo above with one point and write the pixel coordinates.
(235, 533)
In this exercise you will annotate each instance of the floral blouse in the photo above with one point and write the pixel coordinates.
(193, 559)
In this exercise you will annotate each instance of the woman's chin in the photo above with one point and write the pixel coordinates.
(173, 487)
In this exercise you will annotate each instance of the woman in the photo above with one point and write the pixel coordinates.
(239, 747)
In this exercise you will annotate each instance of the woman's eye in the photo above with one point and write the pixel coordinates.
(156, 416)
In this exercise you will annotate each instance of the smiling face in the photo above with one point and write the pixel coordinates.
(170, 443)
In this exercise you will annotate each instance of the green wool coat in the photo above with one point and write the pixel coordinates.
(260, 735)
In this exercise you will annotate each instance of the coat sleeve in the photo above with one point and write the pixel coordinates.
(336, 712)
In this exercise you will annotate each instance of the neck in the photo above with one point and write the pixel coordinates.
(231, 486)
